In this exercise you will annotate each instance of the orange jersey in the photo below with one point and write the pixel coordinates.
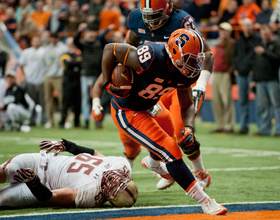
(40, 18)
(246, 12)
(108, 17)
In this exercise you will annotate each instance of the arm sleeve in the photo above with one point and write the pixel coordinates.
(75, 149)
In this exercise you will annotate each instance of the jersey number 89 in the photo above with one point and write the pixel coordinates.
(144, 54)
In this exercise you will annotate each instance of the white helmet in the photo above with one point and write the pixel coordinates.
(119, 188)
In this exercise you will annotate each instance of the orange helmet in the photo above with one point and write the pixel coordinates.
(185, 49)
(155, 13)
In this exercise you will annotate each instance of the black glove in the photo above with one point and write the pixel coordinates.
(188, 137)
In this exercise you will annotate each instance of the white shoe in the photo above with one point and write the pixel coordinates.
(211, 207)
(160, 169)
(68, 125)
(203, 178)
(164, 183)
(48, 125)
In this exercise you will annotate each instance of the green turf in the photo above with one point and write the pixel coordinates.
(219, 152)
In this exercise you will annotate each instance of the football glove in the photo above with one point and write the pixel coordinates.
(114, 90)
(188, 138)
(24, 175)
(97, 109)
(198, 98)
(53, 145)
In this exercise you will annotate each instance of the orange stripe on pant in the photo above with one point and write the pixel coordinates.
(154, 133)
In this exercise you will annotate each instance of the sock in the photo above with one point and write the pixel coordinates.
(150, 162)
(197, 164)
(180, 173)
(130, 161)
(196, 192)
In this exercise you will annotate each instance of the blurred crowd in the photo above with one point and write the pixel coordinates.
(59, 39)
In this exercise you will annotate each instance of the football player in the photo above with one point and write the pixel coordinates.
(86, 180)
(159, 69)
(154, 22)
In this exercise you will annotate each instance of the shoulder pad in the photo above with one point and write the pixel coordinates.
(145, 55)
(133, 18)
(187, 20)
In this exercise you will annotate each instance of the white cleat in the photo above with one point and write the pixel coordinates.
(211, 207)
(164, 183)
(203, 178)
(160, 169)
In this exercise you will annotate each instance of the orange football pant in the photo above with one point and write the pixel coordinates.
(154, 133)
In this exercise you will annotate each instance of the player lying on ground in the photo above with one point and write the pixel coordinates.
(86, 180)
(159, 69)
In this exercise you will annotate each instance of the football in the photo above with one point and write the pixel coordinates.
(122, 77)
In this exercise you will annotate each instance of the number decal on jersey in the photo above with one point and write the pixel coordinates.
(189, 24)
(88, 167)
(183, 38)
(154, 91)
(144, 54)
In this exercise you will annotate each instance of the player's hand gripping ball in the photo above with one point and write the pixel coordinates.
(122, 80)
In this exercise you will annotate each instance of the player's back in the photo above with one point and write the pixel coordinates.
(177, 19)
(76, 171)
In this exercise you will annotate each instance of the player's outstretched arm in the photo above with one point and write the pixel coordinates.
(63, 197)
(65, 145)
(207, 68)
(97, 91)
(132, 39)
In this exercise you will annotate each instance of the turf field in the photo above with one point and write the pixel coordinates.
(243, 168)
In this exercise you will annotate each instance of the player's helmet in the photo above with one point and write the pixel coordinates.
(155, 13)
(185, 49)
(119, 188)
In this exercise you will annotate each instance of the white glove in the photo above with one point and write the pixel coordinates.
(96, 111)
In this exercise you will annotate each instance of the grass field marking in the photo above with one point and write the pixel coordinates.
(30, 140)
(225, 169)
(132, 208)
(239, 152)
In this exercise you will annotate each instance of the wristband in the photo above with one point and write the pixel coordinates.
(75, 149)
(202, 80)
(96, 101)
(40, 191)
(106, 84)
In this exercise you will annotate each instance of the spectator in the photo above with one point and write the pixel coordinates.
(74, 17)
(275, 17)
(56, 21)
(248, 9)
(222, 102)
(243, 65)
(3, 62)
(53, 73)
(17, 103)
(3, 7)
(24, 5)
(92, 46)
(229, 13)
(72, 65)
(31, 65)
(266, 11)
(265, 78)
(39, 16)
(25, 26)
(95, 6)
(10, 22)
(109, 15)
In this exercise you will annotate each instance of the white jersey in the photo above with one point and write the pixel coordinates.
(83, 172)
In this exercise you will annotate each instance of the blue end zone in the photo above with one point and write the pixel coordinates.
(147, 211)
